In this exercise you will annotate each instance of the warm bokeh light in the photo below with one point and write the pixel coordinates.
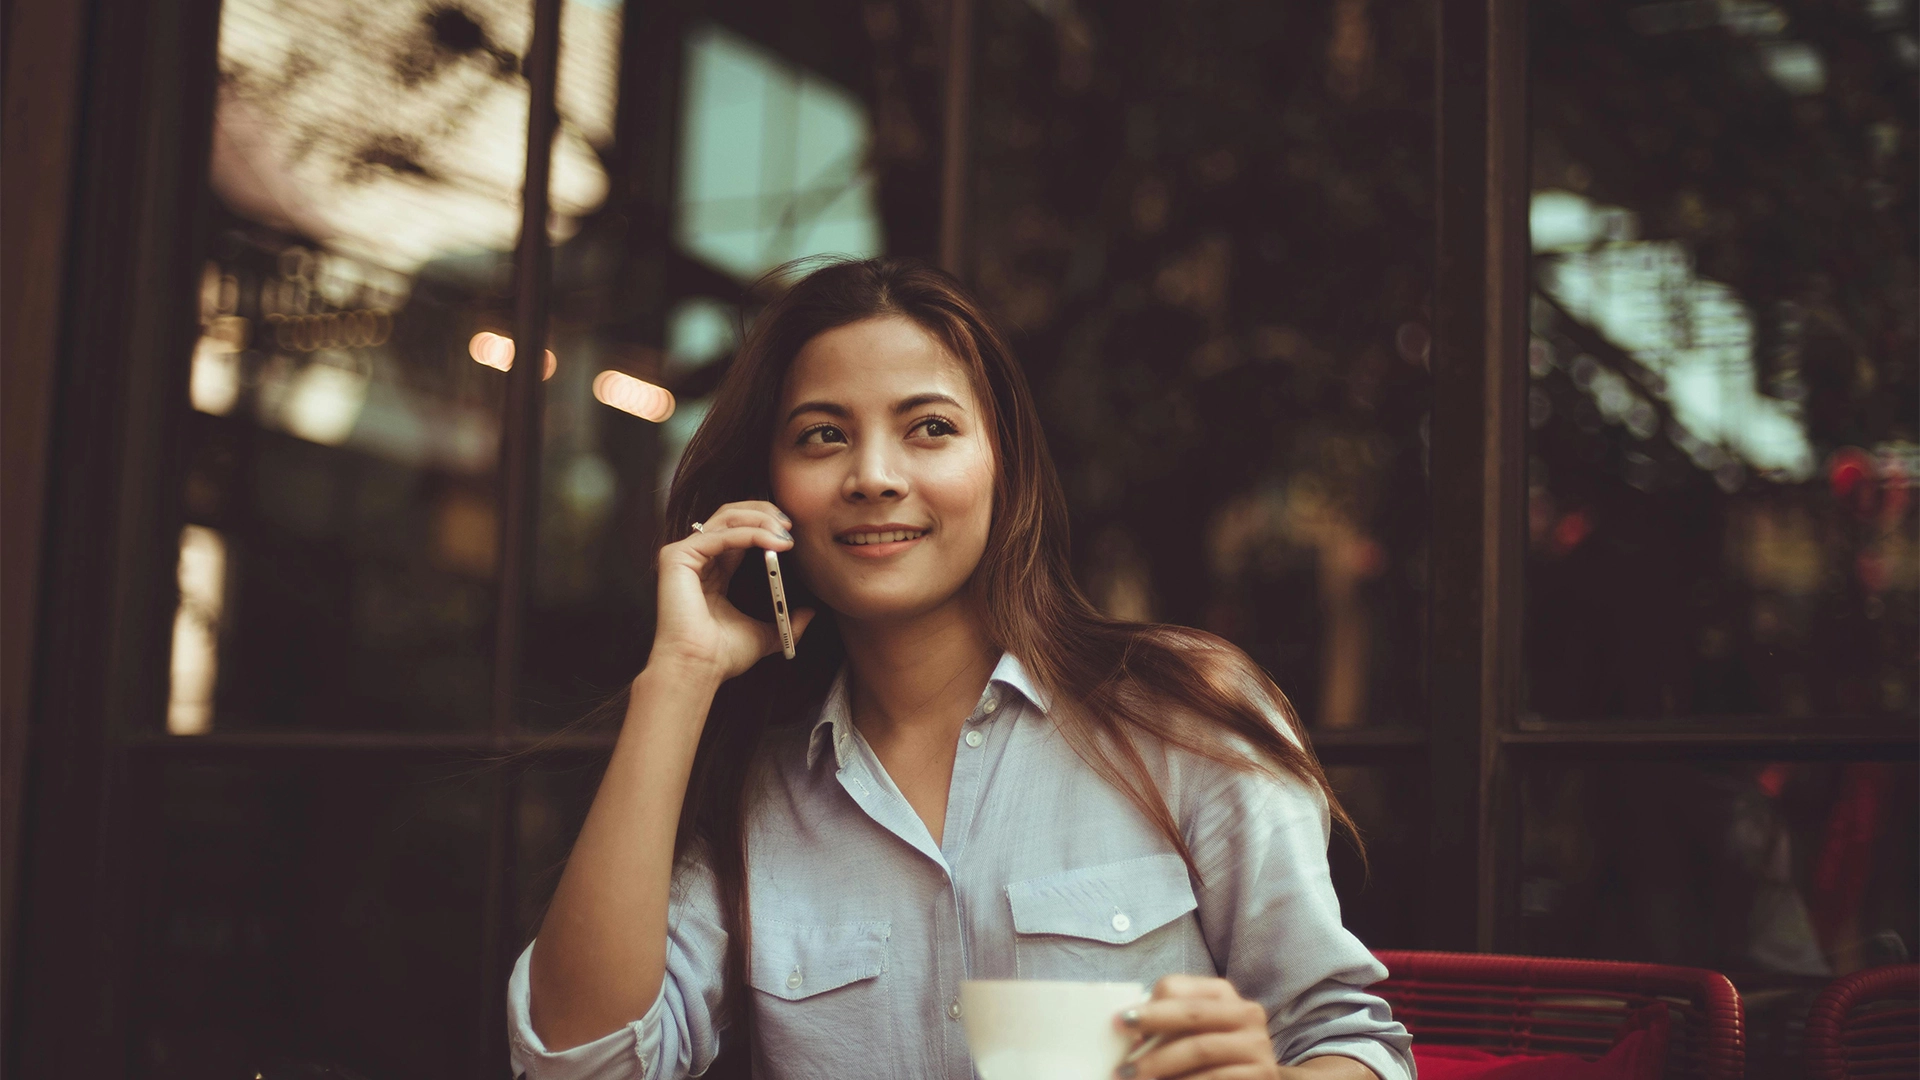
(196, 631)
(323, 403)
(496, 351)
(214, 384)
(631, 395)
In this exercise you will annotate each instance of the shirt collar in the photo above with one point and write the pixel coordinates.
(835, 723)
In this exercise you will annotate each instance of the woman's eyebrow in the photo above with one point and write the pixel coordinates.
(832, 408)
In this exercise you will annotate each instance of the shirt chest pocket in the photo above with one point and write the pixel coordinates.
(822, 999)
(1127, 921)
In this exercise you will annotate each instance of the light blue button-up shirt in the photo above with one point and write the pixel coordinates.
(864, 927)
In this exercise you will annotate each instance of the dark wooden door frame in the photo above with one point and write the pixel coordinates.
(42, 99)
(127, 320)
(1476, 453)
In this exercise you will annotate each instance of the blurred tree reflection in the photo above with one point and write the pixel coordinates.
(1207, 224)
(1724, 396)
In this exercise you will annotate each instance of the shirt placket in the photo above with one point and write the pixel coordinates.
(893, 814)
(963, 803)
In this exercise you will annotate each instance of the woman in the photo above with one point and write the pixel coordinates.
(967, 772)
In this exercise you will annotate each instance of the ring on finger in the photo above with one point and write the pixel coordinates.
(698, 527)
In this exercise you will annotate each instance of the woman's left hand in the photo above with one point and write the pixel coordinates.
(1209, 1032)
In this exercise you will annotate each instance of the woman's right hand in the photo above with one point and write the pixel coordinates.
(696, 623)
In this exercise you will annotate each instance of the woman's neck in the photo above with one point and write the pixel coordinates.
(921, 676)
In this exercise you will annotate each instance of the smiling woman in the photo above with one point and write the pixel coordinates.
(732, 888)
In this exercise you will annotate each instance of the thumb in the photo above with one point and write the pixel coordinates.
(801, 618)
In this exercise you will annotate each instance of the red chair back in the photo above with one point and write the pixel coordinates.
(1532, 1005)
(1866, 1025)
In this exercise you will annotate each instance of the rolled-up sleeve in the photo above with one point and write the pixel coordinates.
(679, 1035)
(1272, 921)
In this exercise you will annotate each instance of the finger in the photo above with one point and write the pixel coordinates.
(720, 571)
(802, 618)
(1244, 1071)
(710, 544)
(1188, 1014)
(1182, 986)
(734, 515)
(758, 506)
(1214, 1049)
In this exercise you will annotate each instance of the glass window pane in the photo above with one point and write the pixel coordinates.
(1208, 226)
(338, 570)
(318, 913)
(1723, 394)
(1780, 874)
(555, 795)
(1381, 898)
(793, 131)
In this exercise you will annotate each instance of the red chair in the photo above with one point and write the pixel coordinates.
(1866, 1024)
(1531, 1005)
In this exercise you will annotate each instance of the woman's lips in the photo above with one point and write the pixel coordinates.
(879, 551)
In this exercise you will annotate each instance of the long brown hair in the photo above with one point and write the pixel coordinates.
(1110, 681)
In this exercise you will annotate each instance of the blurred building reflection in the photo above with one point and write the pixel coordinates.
(1723, 394)
(367, 161)
(773, 160)
(1202, 222)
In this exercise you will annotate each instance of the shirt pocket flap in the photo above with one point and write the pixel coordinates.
(795, 962)
(1116, 903)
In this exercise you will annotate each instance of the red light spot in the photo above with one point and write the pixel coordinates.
(1773, 779)
(1570, 530)
(1847, 471)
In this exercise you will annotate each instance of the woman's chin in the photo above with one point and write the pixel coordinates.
(868, 606)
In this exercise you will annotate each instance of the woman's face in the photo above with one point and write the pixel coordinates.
(883, 458)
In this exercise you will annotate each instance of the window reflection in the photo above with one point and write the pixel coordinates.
(1722, 397)
(311, 918)
(395, 133)
(367, 164)
(196, 630)
(1207, 226)
(772, 161)
(1789, 868)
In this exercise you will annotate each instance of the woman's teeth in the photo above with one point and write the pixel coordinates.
(881, 537)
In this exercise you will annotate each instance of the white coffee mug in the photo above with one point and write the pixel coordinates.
(1032, 1029)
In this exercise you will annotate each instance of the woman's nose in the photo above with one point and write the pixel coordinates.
(875, 475)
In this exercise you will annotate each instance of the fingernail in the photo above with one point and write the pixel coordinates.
(784, 517)
(1125, 1072)
(1131, 1018)
(785, 535)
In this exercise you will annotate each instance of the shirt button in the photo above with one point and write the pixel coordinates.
(992, 704)
(974, 738)
(953, 1010)
(1121, 922)
(794, 980)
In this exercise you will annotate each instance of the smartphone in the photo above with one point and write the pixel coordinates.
(780, 616)
(773, 602)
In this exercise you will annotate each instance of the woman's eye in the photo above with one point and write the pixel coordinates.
(825, 433)
(935, 426)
